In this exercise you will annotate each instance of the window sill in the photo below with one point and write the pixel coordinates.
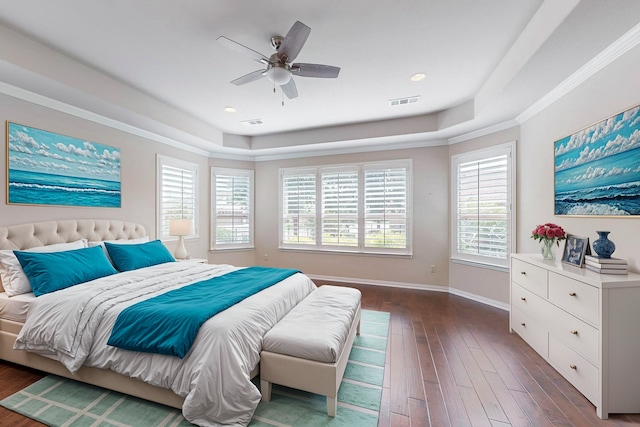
(478, 264)
(248, 248)
(339, 252)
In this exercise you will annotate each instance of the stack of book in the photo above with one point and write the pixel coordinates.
(605, 265)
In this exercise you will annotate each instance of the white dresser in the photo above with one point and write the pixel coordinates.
(586, 325)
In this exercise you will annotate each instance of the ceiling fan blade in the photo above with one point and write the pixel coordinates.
(315, 70)
(290, 89)
(258, 74)
(256, 56)
(293, 42)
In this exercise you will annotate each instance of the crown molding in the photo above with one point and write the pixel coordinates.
(614, 51)
(44, 101)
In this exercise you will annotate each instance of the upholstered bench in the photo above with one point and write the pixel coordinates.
(309, 348)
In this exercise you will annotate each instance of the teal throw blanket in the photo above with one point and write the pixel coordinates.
(169, 323)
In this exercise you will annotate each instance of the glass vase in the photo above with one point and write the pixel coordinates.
(547, 250)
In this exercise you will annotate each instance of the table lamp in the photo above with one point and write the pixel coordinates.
(180, 228)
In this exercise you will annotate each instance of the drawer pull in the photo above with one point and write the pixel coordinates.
(574, 367)
(572, 294)
(523, 298)
(574, 332)
(524, 273)
(523, 324)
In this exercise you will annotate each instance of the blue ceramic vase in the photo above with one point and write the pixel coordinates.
(603, 246)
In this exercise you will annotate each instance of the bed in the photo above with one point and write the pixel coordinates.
(211, 384)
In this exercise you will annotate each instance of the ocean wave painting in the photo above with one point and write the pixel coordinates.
(45, 168)
(597, 170)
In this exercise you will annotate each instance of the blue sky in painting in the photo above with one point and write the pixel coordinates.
(597, 170)
(36, 150)
(602, 154)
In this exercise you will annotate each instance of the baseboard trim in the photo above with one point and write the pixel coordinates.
(418, 286)
(478, 298)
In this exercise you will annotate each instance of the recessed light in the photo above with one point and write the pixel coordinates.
(229, 109)
(418, 76)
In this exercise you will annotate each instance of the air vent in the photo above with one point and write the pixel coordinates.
(404, 101)
(252, 122)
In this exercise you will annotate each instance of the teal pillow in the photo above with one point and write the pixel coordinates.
(50, 272)
(131, 257)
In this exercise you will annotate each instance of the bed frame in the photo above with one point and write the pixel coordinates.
(19, 237)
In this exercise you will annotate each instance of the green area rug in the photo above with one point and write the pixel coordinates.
(57, 401)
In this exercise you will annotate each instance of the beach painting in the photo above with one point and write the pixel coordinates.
(597, 169)
(45, 168)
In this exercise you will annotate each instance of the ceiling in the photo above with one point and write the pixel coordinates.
(153, 67)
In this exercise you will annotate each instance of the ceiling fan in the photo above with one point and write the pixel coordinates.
(280, 68)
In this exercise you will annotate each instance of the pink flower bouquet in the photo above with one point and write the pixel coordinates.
(549, 232)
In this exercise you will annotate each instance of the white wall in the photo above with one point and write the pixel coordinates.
(138, 176)
(430, 223)
(611, 91)
(489, 285)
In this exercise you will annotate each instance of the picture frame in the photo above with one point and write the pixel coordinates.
(575, 248)
(46, 168)
(597, 169)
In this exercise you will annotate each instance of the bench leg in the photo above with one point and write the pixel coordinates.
(265, 389)
(332, 403)
(358, 328)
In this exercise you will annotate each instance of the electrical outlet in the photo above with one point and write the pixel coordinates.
(266, 257)
(433, 268)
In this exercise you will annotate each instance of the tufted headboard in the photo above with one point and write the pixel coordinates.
(25, 236)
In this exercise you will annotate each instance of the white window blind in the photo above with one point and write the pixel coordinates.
(483, 206)
(177, 193)
(385, 201)
(232, 208)
(340, 208)
(349, 208)
(298, 220)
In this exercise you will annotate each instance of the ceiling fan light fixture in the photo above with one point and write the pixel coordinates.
(279, 74)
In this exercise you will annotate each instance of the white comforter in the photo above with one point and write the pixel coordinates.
(74, 324)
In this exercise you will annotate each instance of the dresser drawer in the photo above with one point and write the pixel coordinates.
(529, 276)
(575, 297)
(572, 331)
(532, 332)
(529, 303)
(575, 368)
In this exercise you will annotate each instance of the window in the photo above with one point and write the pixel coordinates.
(483, 205)
(385, 200)
(299, 208)
(339, 214)
(351, 208)
(232, 200)
(177, 193)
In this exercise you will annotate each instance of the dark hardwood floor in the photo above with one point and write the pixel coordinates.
(451, 362)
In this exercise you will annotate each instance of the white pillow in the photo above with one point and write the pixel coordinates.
(143, 239)
(14, 280)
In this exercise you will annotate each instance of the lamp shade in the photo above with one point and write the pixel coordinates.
(180, 227)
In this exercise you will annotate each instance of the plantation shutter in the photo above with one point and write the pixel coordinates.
(233, 201)
(482, 216)
(340, 207)
(355, 208)
(299, 208)
(385, 207)
(177, 193)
